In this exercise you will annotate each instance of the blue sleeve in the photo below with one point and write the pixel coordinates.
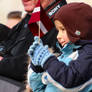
(51, 88)
(35, 81)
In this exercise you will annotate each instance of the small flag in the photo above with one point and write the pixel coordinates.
(35, 14)
(45, 23)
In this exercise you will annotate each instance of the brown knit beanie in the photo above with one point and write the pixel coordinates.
(77, 20)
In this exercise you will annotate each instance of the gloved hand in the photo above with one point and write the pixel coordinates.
(39, 53)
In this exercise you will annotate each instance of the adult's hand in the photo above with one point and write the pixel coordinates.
(1, 58)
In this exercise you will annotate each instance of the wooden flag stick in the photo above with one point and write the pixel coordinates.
(39, 30)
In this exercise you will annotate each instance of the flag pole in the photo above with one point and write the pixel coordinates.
(39, 26)
(39, 31)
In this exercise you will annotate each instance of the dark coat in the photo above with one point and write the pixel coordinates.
(77, 72)
(14, 64)
(4, 30)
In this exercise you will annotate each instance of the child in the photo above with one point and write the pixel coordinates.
(72, 70)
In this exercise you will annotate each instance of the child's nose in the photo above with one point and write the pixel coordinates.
(59, 36)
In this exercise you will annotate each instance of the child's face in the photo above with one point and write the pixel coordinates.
(62, 33)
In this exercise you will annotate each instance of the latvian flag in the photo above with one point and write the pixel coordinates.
(37, 16)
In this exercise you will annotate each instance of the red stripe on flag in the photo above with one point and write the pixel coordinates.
(34, 18)
(35, 15)
(46, 20)
(34, 29)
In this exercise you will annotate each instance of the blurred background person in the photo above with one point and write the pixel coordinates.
(7, 6)
(13, 18)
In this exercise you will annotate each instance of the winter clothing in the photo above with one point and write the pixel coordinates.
(36, 82)
(77, 20)
(72, 69)
(4, 30)
(73, 72)
(14, 63)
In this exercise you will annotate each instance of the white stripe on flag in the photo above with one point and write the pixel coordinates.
(42, 27)
(36, 10)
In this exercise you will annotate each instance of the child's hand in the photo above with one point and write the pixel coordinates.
(39, 53)
(33, 47)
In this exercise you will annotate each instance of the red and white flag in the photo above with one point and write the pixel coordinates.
(39, 16)
(35, 14)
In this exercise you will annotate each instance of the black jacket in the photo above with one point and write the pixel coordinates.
(14, 64)
(4, 30)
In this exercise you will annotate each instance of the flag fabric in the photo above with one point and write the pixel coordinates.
(35, 14)
(39, 16)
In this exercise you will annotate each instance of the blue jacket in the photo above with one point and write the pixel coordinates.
(70, 72)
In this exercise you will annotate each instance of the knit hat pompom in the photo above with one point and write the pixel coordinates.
(77, 20)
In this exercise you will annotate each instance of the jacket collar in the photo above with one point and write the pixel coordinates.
(68, 48)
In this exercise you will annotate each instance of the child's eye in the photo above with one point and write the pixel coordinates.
(63, 29)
